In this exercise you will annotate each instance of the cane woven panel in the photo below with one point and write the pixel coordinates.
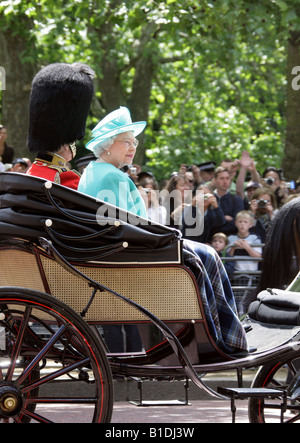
(169, 293)
(19, 268)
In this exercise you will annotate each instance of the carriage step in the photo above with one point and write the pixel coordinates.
(149, 403)
(257, 393)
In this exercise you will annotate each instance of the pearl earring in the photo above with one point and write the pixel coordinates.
(108, 153)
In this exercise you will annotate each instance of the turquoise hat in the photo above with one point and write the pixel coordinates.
(115, 123)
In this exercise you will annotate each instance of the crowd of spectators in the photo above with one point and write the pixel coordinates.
(232, 203)
(216, 193)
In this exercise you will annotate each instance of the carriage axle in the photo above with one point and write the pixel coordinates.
(11, 400)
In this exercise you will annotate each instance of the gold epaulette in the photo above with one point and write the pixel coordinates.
(59, 169)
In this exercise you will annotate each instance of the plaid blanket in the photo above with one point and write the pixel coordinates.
(217, 296)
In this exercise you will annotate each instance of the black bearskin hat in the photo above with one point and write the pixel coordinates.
(60, 100)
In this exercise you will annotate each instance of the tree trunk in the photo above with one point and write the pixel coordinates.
(15, 98)
(146, 63)
(291, 161)
(139, 102)
(110, 84)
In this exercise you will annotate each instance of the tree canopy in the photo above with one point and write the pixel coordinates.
(212, 78)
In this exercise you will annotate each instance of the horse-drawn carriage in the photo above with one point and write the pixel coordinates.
(67, 272)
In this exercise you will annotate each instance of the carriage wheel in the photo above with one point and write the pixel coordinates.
(52, 367)
(275, 376)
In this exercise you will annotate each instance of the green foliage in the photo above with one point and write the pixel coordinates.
(219, 78)
(226, 96)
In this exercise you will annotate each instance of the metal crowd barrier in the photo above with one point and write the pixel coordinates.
(244, 283)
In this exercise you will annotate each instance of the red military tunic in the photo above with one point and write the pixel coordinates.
(53, 167)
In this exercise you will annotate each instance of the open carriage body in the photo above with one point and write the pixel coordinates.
(68, 274)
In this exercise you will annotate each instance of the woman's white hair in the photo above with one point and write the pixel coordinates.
(103, 146)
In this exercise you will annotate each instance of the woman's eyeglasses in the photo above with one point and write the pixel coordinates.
(129, 142)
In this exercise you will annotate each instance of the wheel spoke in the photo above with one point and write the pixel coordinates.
(35, 416)
(62, 400)
(55, 375)
(276, 384)
(41, 354)
(293, 419)
(18, 344)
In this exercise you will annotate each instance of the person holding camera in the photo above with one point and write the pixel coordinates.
(273, 178)
(204, 205)
(263, 206)
(149, 190)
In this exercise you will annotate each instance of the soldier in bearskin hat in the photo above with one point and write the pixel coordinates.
(60, 100)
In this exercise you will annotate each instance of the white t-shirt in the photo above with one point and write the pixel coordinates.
(158, 214)
(245, 265)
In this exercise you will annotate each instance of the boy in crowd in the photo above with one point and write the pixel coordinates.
(219, 243)
(242, 243)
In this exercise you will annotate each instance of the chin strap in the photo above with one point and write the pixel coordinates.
(73, 149)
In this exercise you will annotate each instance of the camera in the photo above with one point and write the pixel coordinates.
(262, 204)
(291, 185)
(269, 181)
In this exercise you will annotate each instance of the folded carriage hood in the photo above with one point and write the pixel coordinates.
(31, 207)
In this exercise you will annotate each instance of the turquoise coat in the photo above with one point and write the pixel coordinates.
(107, 183)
